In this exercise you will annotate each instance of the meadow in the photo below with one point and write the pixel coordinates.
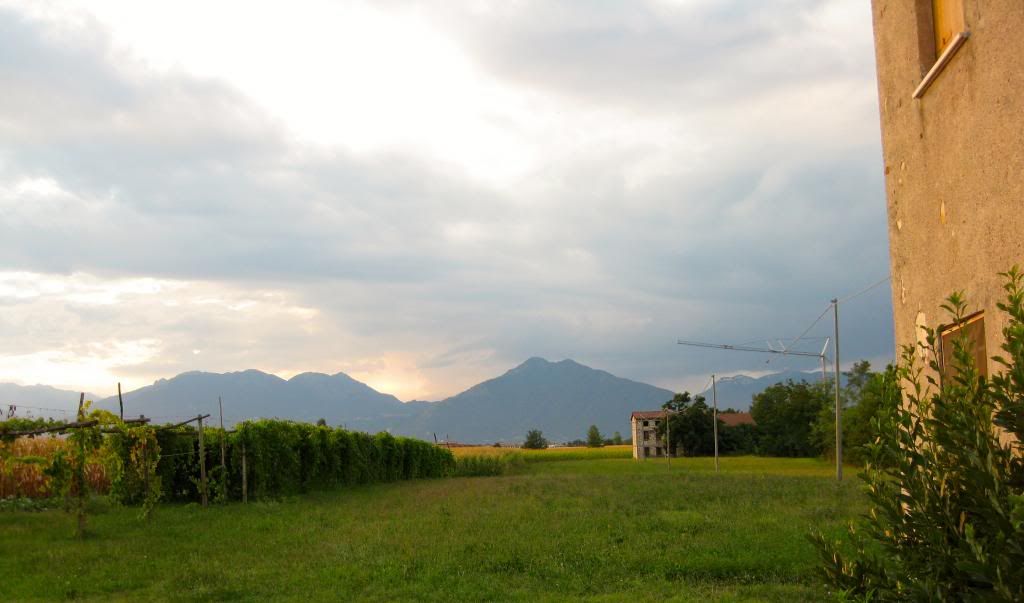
(599, 529)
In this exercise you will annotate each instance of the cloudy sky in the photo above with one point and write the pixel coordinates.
(424, 194)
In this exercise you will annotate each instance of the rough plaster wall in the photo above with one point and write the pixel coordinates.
(954, 161)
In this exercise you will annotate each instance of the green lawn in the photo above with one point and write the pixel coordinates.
(602, 530)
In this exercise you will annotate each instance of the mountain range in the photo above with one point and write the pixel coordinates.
(560, 398)
(737, 391)
(39, 401)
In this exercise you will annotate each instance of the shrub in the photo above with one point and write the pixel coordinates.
(946, 519)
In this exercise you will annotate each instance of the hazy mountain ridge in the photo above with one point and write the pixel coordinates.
(40, 400)
(338, 398)
(561, 398)
(738, 391)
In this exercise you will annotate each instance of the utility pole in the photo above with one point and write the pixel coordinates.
(120, 400)
(839, 408)
(668, 438)
(714, 402)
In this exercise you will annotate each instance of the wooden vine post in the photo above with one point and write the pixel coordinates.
(145, 456)
(202, 463)
(245, 478)
(223, 454)
(79, 481)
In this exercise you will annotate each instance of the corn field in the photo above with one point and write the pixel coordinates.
(23, 463)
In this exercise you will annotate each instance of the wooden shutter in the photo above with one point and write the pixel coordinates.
(948, 16)
(973, 327)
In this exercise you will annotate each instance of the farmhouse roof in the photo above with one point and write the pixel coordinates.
(732, 419)
(647, 414)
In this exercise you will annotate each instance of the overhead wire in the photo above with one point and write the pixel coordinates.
(63, 410)
(808, 329)
(863, 291)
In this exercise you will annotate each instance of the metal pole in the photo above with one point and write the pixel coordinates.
(714, 401)
(839, 408)
(668, 440)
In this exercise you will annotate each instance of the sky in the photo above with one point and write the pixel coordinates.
(425, 194)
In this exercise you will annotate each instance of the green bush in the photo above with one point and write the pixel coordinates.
(946, 519)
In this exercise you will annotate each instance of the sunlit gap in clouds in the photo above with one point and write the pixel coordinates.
(85, 331)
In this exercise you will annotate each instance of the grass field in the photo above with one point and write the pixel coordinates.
(549, 454)
(600, 529)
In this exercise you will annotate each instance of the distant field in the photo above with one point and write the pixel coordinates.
(549, 454)
(598, 529)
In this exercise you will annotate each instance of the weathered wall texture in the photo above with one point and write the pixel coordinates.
(954, 160)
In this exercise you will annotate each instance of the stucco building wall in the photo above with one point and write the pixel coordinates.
(954, 160)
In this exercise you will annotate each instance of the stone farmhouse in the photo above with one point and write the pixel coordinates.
(648, 444)
(950, 84)
(646, 441)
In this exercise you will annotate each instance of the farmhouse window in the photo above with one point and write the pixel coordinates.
(647, 436)
(972, 330)
(657, 451)
(941, 31)
(646, 423)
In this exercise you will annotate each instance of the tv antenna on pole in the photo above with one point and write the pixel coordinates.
(788, 351)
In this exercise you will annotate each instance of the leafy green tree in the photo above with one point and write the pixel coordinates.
(946, 490)
(691, 425)
(535, 440)
(617, 439)
(738, 439)
(594, 437)
(786, 414)
(866, 395)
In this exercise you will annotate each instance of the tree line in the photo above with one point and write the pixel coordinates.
(792, 419)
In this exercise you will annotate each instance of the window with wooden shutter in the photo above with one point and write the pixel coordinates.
(972, 329)
(948, 20)
(941, 31)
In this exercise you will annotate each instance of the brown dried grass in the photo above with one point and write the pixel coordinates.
(23, 461)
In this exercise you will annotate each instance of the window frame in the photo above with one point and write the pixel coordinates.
(949, 331)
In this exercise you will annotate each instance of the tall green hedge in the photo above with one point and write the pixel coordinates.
(286, 457)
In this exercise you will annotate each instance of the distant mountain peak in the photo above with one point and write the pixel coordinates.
(538, 362)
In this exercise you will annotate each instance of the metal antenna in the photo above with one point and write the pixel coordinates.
(788, 352)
